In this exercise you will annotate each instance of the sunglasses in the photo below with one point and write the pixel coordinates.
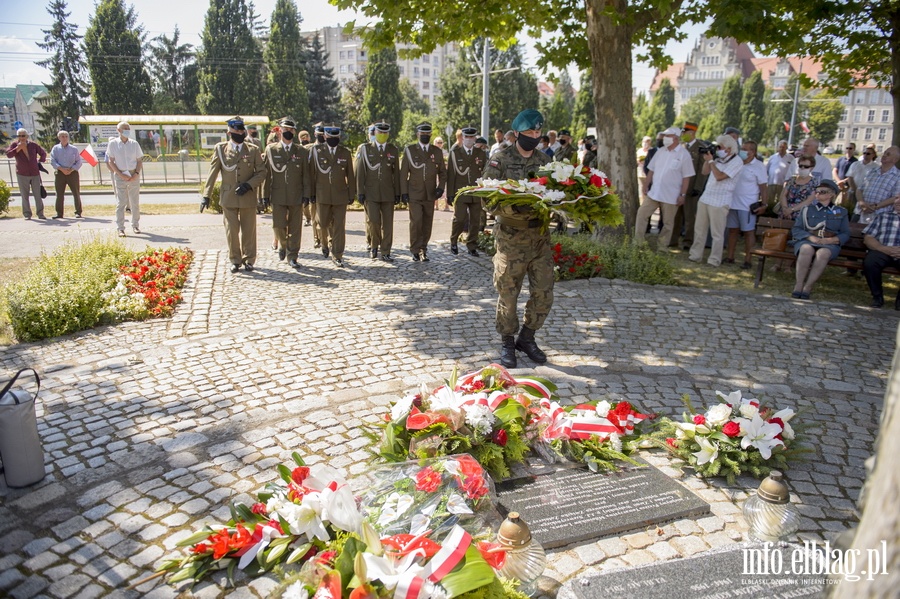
(822, 192)
(21, 136)
(868, 154)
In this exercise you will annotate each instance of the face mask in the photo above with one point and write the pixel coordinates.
(125, 133)
(332, 141)
(468, 143)
(721, 153)
(238, 138)
(743, 154)
(287, 135)
(372, 139)
(803, 171)
(424, 139)
(320, 138)
(659, 143)
(382, 137)
(562, 142)
(528, 143)
(668, 141)
(541, 146)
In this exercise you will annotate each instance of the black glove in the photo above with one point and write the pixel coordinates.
(242, 189)
(204, 204)
(438, 192)
(305, 201)
(362, 198)
(396, 200)
(405, 198)
(312, 200)
(450, 200)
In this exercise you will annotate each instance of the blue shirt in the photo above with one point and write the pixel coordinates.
(65, 157)
(885, 228)
(880, 186)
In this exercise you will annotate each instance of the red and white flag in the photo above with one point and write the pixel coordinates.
(787, 126)
(89, 156)
(804, 126)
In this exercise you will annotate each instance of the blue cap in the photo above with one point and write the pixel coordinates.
(235, 122)
(528, 119)
(332, 131)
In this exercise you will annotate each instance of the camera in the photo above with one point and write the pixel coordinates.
(707, 147)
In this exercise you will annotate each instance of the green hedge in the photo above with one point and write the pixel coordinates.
(5, 193)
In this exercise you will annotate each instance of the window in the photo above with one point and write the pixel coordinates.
(426, 59)
(343, 68)
(426, 85)
(362, 54)
(694, 91)
(885, 116)
(343, 55)
(882, 134)
(415, 71)
(351, 55)
(402, 69)
(854, 133)
(886, 98)
(868, 134)
(435, 61)
(844, 115)
(437, 88)
(857, 115)
(684, 93)
(427, 98)
(860, 97)
(870, 118)
(426, 72)
(351, 68)
(845, 99)
(840, 132)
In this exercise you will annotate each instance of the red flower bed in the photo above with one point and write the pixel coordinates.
(159, 276)
(575, 266)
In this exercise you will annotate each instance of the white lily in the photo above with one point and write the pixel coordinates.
(305, 518)
(394, 506)
(402, 408)
(554, 195)
(339, 508)
(457, 505)
(733, 398)
(447, 400)
(418, 524)
(708, 451)
(562, 171)
(296, 591)
(786, 415)
(759, 434)
(390, 572)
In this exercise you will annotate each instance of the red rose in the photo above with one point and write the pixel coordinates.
(428, 480)
(417, 421)
(571, 269)
(259, 508)
(731, 428)
(299, 474)
(500, 437)
(699, 419)
(597, 181)
(671, 442)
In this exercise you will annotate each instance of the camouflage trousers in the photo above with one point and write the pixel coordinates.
(522, 252)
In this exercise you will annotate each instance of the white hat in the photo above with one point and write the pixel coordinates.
(672, 131)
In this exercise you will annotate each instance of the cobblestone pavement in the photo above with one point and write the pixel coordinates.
(151, 428)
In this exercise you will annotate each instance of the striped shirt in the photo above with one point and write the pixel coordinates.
(885, 228)
(881, 186)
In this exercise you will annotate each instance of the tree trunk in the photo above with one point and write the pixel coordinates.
(610, 48)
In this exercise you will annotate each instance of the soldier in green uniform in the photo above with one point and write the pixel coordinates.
(287, 186)
(309, 207)
(242, 171)
(423, 176)
(523, 246)
(377, 170)
(465, 164)
(334, 187)
(566, 150)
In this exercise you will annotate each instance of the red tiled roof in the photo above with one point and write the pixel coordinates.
(672, 73)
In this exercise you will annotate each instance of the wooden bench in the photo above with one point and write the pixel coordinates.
(851, 257)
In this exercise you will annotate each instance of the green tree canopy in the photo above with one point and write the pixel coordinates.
(823, 116)
(119, 83)
(67, 88)
(558, 114)
(412, 99)
(728, 108)
(753, 108)
(169, 65)
(351, 107)
(779, 108)
(583, 110)
(324, 90)
(661, 112)
(701, 109)
(285, 58)
(382, 99)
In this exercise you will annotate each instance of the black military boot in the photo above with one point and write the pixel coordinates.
(508, 352)
(526, 343)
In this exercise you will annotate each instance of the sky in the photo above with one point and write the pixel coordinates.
(21, 28)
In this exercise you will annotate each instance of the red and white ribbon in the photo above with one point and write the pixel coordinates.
(557, 421)
(413, 582)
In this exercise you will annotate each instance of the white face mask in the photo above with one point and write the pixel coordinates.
(469, 142)
(668, 141)
(126, 133)
(721, 153)
(803, 171)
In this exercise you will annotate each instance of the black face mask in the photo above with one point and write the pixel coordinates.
(659, 143)
(424, 139)
(320, 138)
(333, 141)
(528, 143)
(238, 138)
(288, 135)
(562, 142)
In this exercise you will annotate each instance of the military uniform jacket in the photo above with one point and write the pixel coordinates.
(421, 172)
(463, 169)
(508, 163)
(236, 167)
(377, 172)
(332, 179)
(287, 174)
(566, 152)
(698, 181)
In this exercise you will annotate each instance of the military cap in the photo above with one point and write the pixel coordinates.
(470, 131)
(424, 127)
(528, 119)
(235, 122)
(730, 130)
(830, 185)
(383, 127)
(319, 127)
(564, 132)
(481, 140)
(288, 122)
(303, 133)
(332, 131)
(689, 126)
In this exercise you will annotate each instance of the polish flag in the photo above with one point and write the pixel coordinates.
(89, 156)
(804, 126)
(787, 126)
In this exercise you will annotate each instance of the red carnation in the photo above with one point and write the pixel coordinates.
(732, 428)
(428, 480)
(777, 421)
(500, 437)
(259, 508)
(699, 419)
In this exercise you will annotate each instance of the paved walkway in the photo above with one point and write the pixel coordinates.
(151, 428)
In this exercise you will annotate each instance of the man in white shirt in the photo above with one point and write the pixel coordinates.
(750, 188)
(810, 149)
(124, 159)
(856, 180)
(777, 169)
(669, 172)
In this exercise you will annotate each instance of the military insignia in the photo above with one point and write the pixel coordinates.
(495, 163)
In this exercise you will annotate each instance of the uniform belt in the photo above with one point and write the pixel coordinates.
(519, 224)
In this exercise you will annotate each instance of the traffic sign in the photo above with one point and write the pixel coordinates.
(17, 124)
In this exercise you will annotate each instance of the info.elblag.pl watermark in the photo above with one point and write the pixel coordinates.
(813, 559)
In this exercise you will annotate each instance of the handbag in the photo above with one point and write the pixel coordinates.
(775, 239)
(43, 192)
(20, 444)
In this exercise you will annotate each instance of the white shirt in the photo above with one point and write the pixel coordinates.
(669, 167)
(719, 193)
(778, 167)
(746, 185)
(126, 154)
(236, 147)
(822, 170)
(287, 147)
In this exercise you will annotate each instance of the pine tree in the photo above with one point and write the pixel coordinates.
(583, 109)
(728, 111)
(351, 107)
(231, 73)
(324, 90)
(753, 108)
(382, 99)
(285, 56)
(67, 89)
(119, 82)
(640, 109)
(661, 114)
(169, 64)
(559, 112)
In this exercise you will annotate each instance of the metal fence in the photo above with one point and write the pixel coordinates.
(174, 169)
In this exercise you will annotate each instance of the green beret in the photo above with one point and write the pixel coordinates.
(528, 119)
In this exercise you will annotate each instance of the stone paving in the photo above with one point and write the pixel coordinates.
(151, 428)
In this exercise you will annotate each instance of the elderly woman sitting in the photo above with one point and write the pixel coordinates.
(820, 230)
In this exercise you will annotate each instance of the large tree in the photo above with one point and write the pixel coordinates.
(67, 88)
(583, 111)
(728, 109)
(231, 73)
(753, 108)
(285, 57)
(119, 82)
(823, 116)
(857, 41)
(779, 109)
(412, 99)
(351, 107)
(324, 90)
(558, 114)
(170, 62)
(382, 99)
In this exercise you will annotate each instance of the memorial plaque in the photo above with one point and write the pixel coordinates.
(574, 504)
(715, 575)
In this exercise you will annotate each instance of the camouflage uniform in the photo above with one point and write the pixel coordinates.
(522, 248)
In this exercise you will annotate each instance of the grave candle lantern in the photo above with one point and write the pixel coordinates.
(525, 558)
(769, 512)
